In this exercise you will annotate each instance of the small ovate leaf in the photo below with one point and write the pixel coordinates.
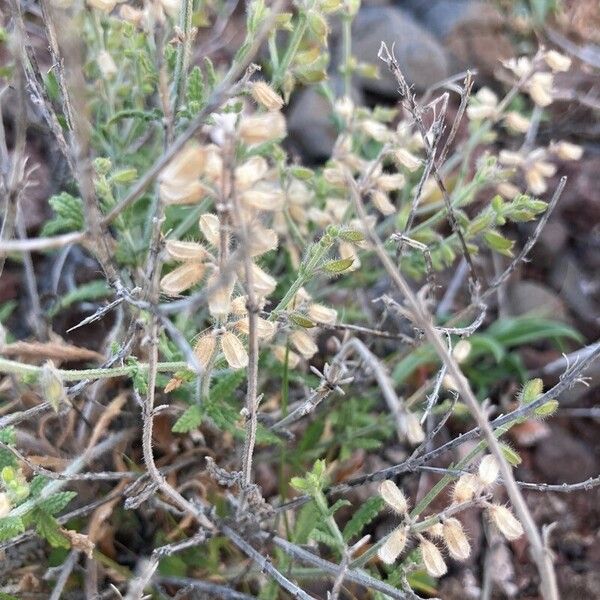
(338, 266)
(68, 217)
(352, 235)
(190, 419)
(496, 241)
(301, 321)
(547, 409)
(48, 528)
(531, 391)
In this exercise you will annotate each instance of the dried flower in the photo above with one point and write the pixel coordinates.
(251, 172)
(436, 530)
(393, 496)
(516, 122)
(279, 352)
(53, 388)
(264, 196)
(266, 96)
(261, 240)
(508, 525)
(219, 298)
(566, 150)
(303, 343)
(322, 314)
(465, 488)
(393, 546)
(373, 129)
(557, 61)
(264, 329)
(382, 203)
(234, 351)
(390, 182)
(540, 88)
(262, 283)
(182, 278)
(407, 159)
(179, 181)
(414, 431)
(205, 348)
(432, 558)
(456, 540)
(185, 251)
(483, 106)
(488, 470)
(257, 129)
(209, 226)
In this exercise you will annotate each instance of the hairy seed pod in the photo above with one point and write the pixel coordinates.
(392, 548)
(465, 488)
(185, 251)
(209, 226)
(234, 351)
(205, 348)
(322, 314)
(508, 525)
(182, 278)
(219, 296)
(303, 343)
(456, 541)
(407, 159)
(280, 352)
(557, 62)
(432, 559)
(52, 386)
(257, 129)
(393, 496)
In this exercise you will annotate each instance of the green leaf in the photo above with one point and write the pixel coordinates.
(528, 329)
(338, 266)
(324, 537)
(511, 455)
(547, 409)
(225, 386)
(362, 517)
(339, 503)
(301, 321)
(56, 502)
(190, 419)
(10, 527)
(305, 523)
(69, 214)
(37, 484)
(532, 390)
(496, 241)
(48, 528)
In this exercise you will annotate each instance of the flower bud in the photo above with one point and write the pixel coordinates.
(182, 278)
(557, 61)
(303, 343)
(53, 389)
(234, 351)
(488, 470)
(505, 521)
(393, 546)
(393, 496)
(266, 96)
(456, 540)
(432, 558)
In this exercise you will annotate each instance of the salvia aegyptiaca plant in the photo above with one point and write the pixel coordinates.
(260, 337)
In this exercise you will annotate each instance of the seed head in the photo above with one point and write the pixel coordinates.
(185, 251)
(382, 203)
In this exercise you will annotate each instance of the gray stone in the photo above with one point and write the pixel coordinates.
(421, 58)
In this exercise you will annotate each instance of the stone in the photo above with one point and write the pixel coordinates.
(474, 33)
(530, 297)
(421, 57)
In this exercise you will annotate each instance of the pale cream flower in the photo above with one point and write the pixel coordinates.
(516, 122)
(375, 130)
(483, 106)
(540, 88)
(205, 348)
(521, 66)
(252, 171)
(209, 226)
(461, 351)
(414, 431)
(304, 343)
(264, 196)
(407, 159)
(219, 296)
(488, 470)
(381, 202)
(344, 107)
(566, 150)
(182, 278)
